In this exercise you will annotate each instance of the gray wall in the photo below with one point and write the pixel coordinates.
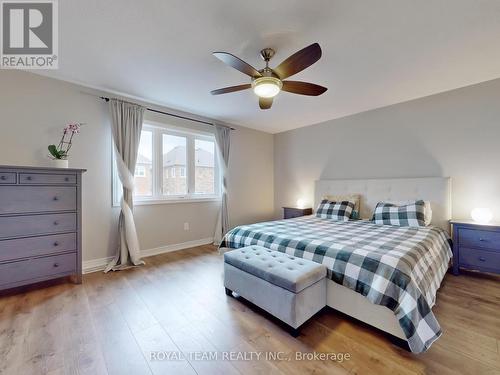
(455, 134)
(33, 110)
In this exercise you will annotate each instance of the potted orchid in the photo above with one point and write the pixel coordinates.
(59, 154)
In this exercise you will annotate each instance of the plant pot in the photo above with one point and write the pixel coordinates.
(60, 163)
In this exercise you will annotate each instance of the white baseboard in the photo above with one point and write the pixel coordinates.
(175, 247)
(95, 265)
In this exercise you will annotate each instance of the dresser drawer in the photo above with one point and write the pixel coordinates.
(479, 258)
(24, 199)
(15, 272)
(29, 225)
(483, 239)
(36, 246)
(7, 177)
(46, 179)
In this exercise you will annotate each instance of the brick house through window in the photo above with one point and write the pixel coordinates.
(174, 171)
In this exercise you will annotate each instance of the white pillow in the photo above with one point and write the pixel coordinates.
(427, 209)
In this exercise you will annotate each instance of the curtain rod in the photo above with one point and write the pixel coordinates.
(174, 115)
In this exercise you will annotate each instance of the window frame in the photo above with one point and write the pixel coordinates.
(157, 176)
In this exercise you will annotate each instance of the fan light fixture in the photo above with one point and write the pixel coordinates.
(266, 87)
(266, 83)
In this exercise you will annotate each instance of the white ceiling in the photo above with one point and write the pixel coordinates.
(375, 53)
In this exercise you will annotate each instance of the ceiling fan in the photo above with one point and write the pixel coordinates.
(267, 83)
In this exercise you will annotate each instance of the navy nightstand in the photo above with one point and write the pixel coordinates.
(291, 212)
(476, 246)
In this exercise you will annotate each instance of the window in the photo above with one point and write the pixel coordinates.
(204, 164)
(174, 149)
(140, 171)
(143, 177)
(173, 165)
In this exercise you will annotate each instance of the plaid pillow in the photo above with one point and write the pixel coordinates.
(340, 211)
(410, 215)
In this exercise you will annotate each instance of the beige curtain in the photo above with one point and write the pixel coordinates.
(223, 138)
(126, 124)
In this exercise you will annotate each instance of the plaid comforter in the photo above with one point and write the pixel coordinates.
(397, 267)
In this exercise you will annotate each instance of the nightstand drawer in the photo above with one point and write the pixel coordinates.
(293, 212)
(483, 239)
(479, 258)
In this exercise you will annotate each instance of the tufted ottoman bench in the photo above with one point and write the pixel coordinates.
(290, 288)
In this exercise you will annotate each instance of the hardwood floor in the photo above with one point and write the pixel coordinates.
(111, 323)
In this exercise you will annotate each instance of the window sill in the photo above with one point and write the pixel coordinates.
(149, 202)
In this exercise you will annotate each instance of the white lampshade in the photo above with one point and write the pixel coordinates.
(481, 215)
(301, 203)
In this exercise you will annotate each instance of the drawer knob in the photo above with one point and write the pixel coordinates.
(29, 178)
(66, 179)
(56, 243)
(56, 264)
(56, 198)
(56, 223)
(3, 178)
(482, 240)
(482, 259)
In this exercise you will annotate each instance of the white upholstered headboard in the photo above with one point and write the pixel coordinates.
(437, 190)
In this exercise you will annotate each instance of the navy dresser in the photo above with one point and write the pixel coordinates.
(476, 246)
(40, 225)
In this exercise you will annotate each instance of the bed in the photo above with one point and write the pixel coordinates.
(383, 275)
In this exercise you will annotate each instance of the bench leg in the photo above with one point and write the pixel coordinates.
(229, 292)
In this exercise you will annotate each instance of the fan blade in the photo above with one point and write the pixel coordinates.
(299, 61)
(265, 103)
(303, 88)
(237, 64)
(225, 90)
